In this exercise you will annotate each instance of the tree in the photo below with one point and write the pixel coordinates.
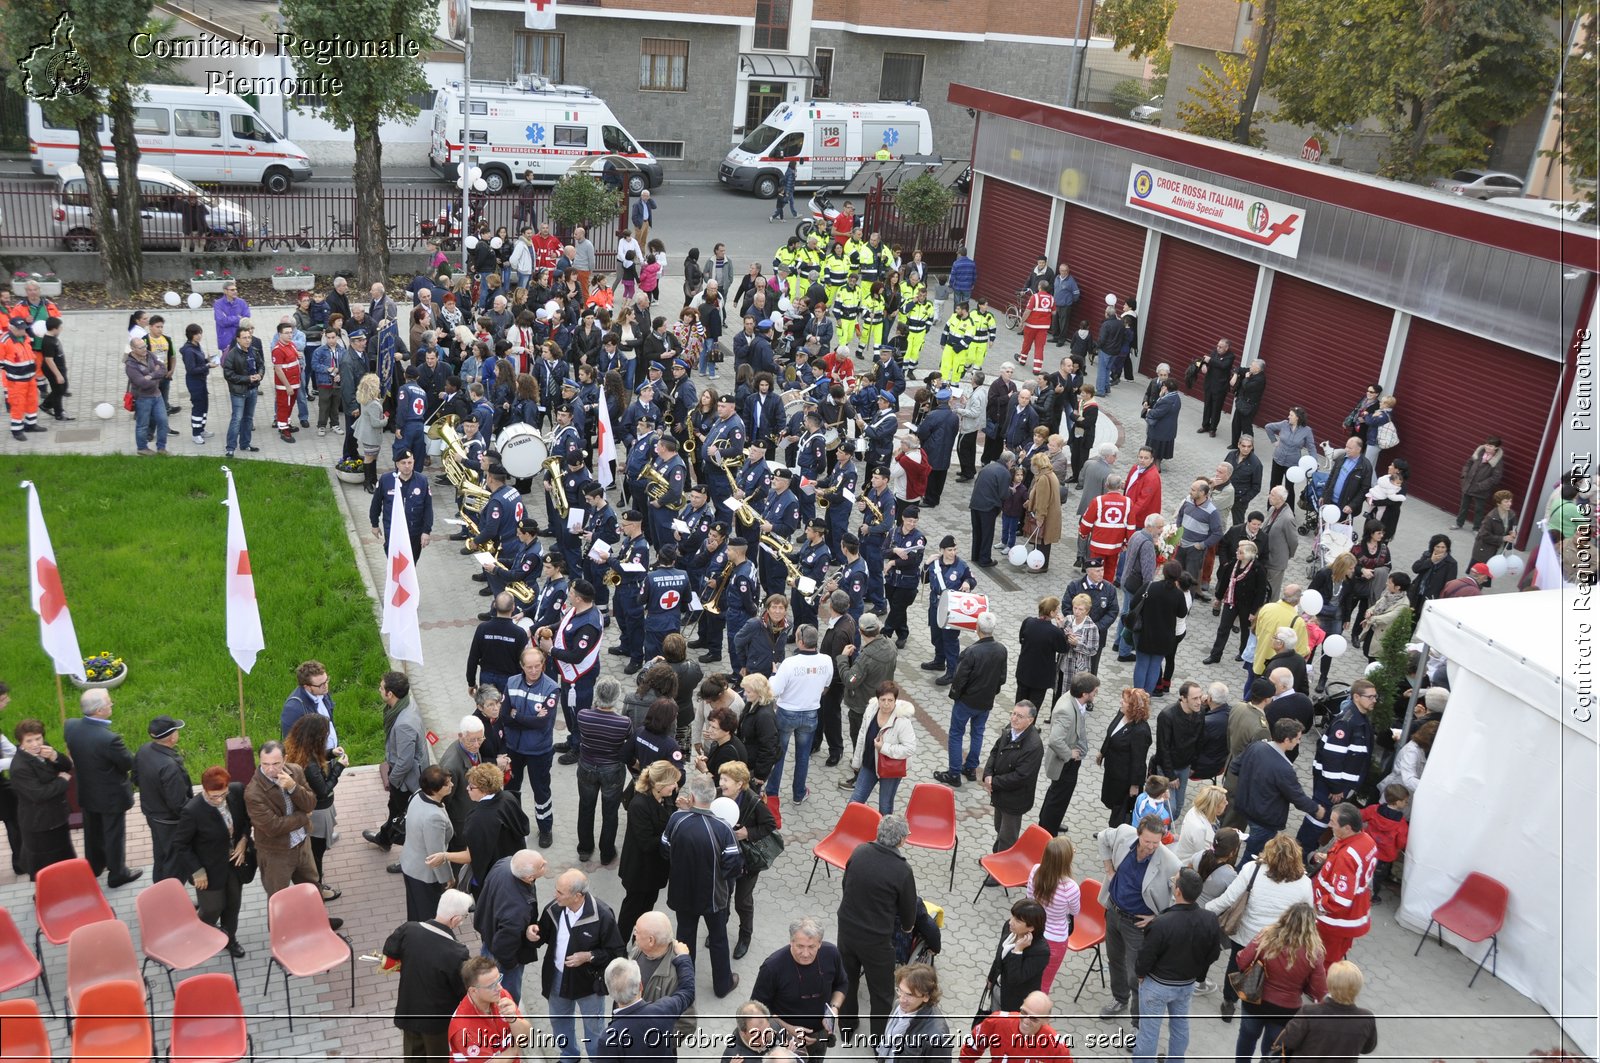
(1244, 128)
(582, 199)
(1390, 678)
(923, 202)
(1213, 107)
(1138, 27)
(1580, 118)
(80, 65)
(372, 89)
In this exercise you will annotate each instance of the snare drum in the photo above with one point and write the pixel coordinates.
(959, 610)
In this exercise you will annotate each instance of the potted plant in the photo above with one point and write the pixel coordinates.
(293, 278)
(103, 670)
(350, 470)
(209, 281)
(49, 283)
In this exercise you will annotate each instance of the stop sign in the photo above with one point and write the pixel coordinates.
(1311, 150)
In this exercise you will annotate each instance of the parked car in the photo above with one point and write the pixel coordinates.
(1149, 112)
(161, 194)
(1481, 184)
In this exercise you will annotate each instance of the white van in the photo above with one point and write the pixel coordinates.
(214, 138)
(533, 125)
(829, 142)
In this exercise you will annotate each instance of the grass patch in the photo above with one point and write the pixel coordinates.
(141, 545)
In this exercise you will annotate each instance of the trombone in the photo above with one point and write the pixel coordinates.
(713, 605)
(782, 551)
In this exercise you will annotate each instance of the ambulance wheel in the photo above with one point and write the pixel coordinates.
(636, 184)
(767, 186)
(497, 179)
(277, 181)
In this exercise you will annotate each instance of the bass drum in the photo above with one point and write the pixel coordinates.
(959, 610)
(522, 450)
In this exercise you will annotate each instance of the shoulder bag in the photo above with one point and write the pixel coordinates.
(890, 767)
(1388, 435)
(1233, 916)
(761, 853)
(1250, 983)
(986, 999)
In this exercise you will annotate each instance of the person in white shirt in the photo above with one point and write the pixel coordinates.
(797, 688)
(1199, 825)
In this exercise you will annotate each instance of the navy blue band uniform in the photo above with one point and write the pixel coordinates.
(629, 612)
(942, 578)
(740, 602)
(902, 578)
(666, 604)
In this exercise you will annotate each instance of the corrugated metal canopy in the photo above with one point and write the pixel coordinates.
(765, 65)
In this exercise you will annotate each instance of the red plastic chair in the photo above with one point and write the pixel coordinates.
(112, 1024)
(100, 953)
(1089, 931)
(1010, 868)
(171, 931)
(65, 897)
(931, 815)
(858, 824)
(22, 1031)
(303, 944)
(1476, 911)
(17, 964)
(208, 1022)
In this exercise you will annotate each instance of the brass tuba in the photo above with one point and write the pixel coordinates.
(655, 484)
(552, 469)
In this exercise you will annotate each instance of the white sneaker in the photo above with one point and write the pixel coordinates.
(199, 440)
(322, 431)
(338, 429)
(1203, 987)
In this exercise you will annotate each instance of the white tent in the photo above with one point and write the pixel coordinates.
(1510, 790)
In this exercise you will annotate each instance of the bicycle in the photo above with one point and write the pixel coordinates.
(275, 242)
(1015, 312)
(341, 231)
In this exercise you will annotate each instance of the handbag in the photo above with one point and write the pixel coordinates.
(1388, 435)
(127, 400)
(246, 872)
(1250, 983)
(1133, 619)
(891, 767)
(761, 853)
(986, 999)
(1233, 915)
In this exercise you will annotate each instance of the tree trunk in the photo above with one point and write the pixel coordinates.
(1258, 71)
(103, 206)
(124, 263)
(372, 236)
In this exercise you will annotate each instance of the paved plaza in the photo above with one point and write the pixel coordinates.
(1426, 1010)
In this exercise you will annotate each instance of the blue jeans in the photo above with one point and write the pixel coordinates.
(1180, 789)
(962, 719)
(1124, 646)
(1156, 998)
(1147, 670)
(785, 198)
(1258, 838)
(150, 412)
(1262, 1027)
(1102, 378)
(869, 778)
(803, 726)
(510, 977)
(562, 1010)
(240, 422)
(1008, 531)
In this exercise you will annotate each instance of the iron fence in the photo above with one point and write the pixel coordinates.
(939, 243)
(34, 216)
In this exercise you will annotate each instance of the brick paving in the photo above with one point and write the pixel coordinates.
(1427, 1010)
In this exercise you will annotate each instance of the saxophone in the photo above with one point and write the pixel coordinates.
(873, 510)
(521, 592)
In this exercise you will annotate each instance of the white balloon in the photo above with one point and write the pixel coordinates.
(480, 185)
(472, 242)
(494, 244)
(195, 301)
(171, 299)
(1498, 566)
(1018, 555)
(1035, 560)
(1295, 475)
(1514, 565)
(1372, 666)
(1311, 602)
(1335, 645)
(727, 810)
(1330, 513)
(105, 411)
(38, 328)
(475, 173)
(1307, 462)
(1111, 298)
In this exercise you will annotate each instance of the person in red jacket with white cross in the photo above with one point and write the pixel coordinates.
(1107, 523)
(1342, 890)
(286, 378)
(1036, 319)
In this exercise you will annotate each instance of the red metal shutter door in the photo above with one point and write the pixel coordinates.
(1322, 349)
(1455, 390)
(1200, 296)
(1105, 255)
(1011, 228)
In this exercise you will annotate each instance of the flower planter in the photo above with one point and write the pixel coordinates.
(349, 477)
(100, 684)
(46, 288)
(209, 285)
(300, 282)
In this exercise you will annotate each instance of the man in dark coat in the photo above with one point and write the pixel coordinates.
(1246, 477)
(105, 792)
(580, 936)
(706, 860)
(988, 492)
(507, 915)
(1248, 387)
(1011, 775)
(938, 435)
(641, 1030)
(1349, 480)
(430, 959)
(877, 896)
(496, 827)
(979, 676)
(1178, 730)
(164, 788)
(1216, 368)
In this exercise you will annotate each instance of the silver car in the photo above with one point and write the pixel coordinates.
(1149, 112)
(163, 196)
(1480, 184)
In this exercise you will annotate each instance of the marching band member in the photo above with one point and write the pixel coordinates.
(633, 550)
(891, 378)
(905, 570)
(599, 525)
(705, 568)
(642, 405)
(574, 410)
(834, 487)
(666, 600)
(853, 578)
(874, 533)
(880, 431)
(501, 514)
(811, 458)
(520, 565)
(680, 398)
(575, 481)
(740, 600)
(780, 517)
(725, 440)
(640, 454)
(947, 572)
(812, 561)
(551, 598)
(672, 469)
(412, 490)
(763, 411)
(698, 515)
(575, 647)
(756, 476)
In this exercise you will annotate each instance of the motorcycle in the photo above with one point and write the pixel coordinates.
(823, 214)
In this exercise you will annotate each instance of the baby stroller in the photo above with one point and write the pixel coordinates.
(923, 943)
(1326, 706)
(1316, 483)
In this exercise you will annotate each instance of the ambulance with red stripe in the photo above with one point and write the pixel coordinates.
(208, 138)
(533, 125)
(829, 142)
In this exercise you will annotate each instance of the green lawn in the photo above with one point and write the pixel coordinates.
(141, 548)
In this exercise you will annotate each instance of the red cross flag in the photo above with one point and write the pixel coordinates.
(606, 446)
(539, 14)
(56, 633)
(244, 615)
(400, 590)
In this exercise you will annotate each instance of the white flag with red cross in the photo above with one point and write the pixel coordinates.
(401, 593)
(539, 15)
(606, 446)
(245, 640)
(56, 633)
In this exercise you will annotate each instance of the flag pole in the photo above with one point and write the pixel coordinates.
(242, 732)
(61, 700)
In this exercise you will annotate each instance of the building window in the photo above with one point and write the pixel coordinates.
(541, 53)
(664, 64)
(822, 87)
(772, 24)
(663, 149)
(902, 77)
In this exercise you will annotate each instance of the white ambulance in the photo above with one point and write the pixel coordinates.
(533, 125)
(829, 142)
(213, 138)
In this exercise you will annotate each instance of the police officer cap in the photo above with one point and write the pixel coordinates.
(947, 542)
(818, 523)
(884, 396)
(358, 334)
(885, 347)
(653, 367)
(647, 385)
(679, 363)
(781, 472)
(942, 394)
(593, 488)
(632, 516)
(667, 555)
(1096, 562)
(529, 525)
(764, 323)
(570, 383)
(739, 540)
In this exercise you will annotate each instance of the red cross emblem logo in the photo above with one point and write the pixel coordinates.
(417, 406)
(670, 600)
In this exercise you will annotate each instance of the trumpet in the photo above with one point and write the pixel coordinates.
(655, 484)
(612, 578)
(713, 604)
(825, 586)
(552, 469)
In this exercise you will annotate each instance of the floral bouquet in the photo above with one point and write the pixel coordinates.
(103, 666)
(1167, 545)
